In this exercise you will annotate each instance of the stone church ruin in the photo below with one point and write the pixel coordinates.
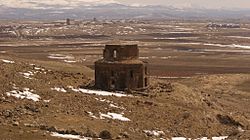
(121, 69)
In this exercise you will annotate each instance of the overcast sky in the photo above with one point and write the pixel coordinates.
(175, 3)
(196, 3)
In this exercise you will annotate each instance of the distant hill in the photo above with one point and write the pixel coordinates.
(117, 11)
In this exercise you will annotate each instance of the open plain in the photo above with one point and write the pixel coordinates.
(199, 81)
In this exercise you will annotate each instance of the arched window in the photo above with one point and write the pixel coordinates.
(112, 86)
(115, 54)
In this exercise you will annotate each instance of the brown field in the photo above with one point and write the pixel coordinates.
(208, 70)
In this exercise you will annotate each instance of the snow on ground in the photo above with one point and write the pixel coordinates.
(111, 103)
(230, 45)
(98, 92)
(223, 50)
(69, 136)
(239, 37)
(204, 138)
(46, 101)
(129, 27)
(154, 133)
(240, 46)
(59, 89)
(27, 75)
(179, 32)
(12, 32)
(25, 93)
(163, 38)
(60, 57)
(143, 57)
(184, 29)
(103, 100)
(176, 38)
(191, 43)
(168, 57)
(114, 116)
(116, 106)
(179, 138)
(168, 77)
(92, 115)
(8, 61)
(37, 68)
(70, 61)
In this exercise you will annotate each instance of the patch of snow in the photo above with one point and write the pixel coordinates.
(59, 89)
(111, 103)
(143, 57)
(98, 92)
(221, 50)
(27, 74)
(179, 32)
(115, 106)
(128, 27)
(142, 30)
(168, 57)
(245, 28)
(168, 77)
(70, 61)
(8, 61)
(191, 43)
(163, 38)
(179, 138)
(158, 49)
(37, 68)
(114, 116)
(239, 37)
(240, 46)
(92, 115)
(103, 100)
(154, 133)
(185, 29)
(230, 45)
(46, 101)
(26, 93)
(12, 32)
(69, 136)
(39, 31)
(220, 138)
(204, 138)
(60, 56)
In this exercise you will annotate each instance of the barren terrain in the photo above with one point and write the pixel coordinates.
(199, 81)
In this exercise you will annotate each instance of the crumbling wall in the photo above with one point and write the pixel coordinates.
(121, 52)
(120, 69)
(120, 76)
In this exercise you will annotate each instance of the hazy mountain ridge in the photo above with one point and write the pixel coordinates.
(116, 11)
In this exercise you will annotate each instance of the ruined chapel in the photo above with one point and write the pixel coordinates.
(121, 69)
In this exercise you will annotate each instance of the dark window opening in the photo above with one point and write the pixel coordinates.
(112, 73)
(131, 74)
(112, 84)
(146, 70)
(146, 82)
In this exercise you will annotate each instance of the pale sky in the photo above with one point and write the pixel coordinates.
(196, 3)
(175, 3)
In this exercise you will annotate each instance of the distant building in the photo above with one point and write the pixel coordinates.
(120, 69)
(229, 25)
(67, 21)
